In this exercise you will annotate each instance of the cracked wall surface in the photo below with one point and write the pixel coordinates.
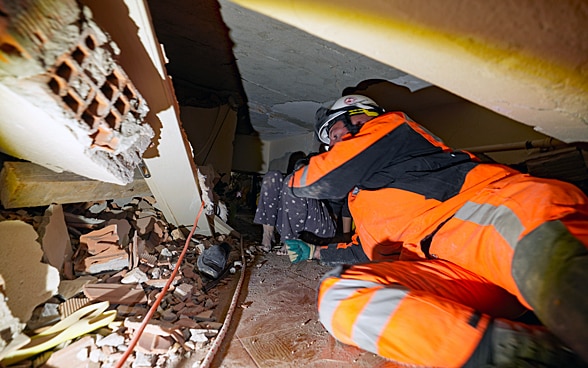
(56, 58)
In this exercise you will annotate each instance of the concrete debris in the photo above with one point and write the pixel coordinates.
(28, 281)
(190, 314)
(62, 62)
(11, 326)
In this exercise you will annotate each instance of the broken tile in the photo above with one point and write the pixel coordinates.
(76, 354)
(186, 322)
(100, 240)
(160, 283)
(183, 291)
(114, 279)
(168, 316)
(55, 239)
(204, 316)
(123, 230)
(148, 259)
(131, 311)
(98, 207)
(144, 359)
(111, 258)
(116, 293)
(134, 252)
(202, 334)
(154, 344)
(113, 339)
(144, 225)
(134, 276)
(69, 288)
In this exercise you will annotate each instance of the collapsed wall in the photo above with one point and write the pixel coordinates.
(54, 56)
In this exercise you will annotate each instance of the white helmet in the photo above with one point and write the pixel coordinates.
(343, 108)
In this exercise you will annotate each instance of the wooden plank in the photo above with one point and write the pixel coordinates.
(24, 184)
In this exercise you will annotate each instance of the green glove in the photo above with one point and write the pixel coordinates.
(298, 250)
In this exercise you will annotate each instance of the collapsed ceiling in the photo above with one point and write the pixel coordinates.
(525, 60)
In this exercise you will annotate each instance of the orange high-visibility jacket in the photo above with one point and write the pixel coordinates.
(396, 171)
(485, 228)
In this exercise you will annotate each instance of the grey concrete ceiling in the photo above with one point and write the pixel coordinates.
(287, 72)
(524, 60)
(222, 52)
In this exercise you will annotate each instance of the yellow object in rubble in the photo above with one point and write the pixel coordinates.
(82, 321)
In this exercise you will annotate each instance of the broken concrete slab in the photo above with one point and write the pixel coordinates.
(28, 281)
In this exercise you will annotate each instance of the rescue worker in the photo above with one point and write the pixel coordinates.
(464, 248)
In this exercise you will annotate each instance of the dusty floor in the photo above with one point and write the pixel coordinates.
(276, 322)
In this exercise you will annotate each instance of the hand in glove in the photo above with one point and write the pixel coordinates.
(298, 250)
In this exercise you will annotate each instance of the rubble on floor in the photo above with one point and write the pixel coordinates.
(114, 259)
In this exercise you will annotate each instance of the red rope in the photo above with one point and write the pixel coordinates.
(153, 308)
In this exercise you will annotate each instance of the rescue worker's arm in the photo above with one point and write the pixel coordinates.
(330, 255)
(390, 151)
(343, 253)
(333, 174)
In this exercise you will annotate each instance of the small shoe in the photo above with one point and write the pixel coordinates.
(213, 260)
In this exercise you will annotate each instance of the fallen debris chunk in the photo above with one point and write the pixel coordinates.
(55, 240)
(183, 291)
(135, 276)
(74, 355)
(21, 251)
(113, 339)
(44, 315)
(11, 337)
(154, 344)
(160, 283)
(110, 259)
(131, 311)
(116, 293)
(100, 251)
(69, 288)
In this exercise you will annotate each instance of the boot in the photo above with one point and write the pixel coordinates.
(516, 344)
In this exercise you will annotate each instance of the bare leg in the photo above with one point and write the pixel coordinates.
(268, 237)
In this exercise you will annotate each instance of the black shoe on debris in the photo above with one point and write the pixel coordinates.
(213, 260)
(520, 345)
